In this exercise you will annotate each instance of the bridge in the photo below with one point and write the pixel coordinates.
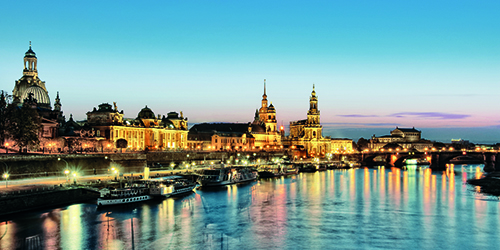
(437, 159)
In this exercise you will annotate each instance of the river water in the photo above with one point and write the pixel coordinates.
(381, 208)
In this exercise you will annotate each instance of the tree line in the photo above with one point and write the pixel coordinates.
(19, 124)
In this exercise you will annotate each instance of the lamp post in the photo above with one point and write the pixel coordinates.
(66, 171)
(6, 177)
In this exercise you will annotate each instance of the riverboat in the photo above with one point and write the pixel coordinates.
(226, 176)
(122, 196)
(270, 171)
(311, 167)
(170, 186)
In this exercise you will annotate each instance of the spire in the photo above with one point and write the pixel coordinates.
(264, 96)
(264, 86)
(57, 104)
(313, 93)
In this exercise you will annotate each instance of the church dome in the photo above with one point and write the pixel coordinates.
(146, 113)
(38, 93)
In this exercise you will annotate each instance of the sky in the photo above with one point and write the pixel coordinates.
(433, 65)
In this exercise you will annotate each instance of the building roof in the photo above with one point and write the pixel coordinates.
(146, 113)
(219, 127)
(30, 53)
(299, 122)
(38, 93)
(407, 129)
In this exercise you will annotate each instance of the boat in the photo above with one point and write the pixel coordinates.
(225, 176)
(120, 196)
(465, 160)
(311, 167)
(170, 186)
(270, 171)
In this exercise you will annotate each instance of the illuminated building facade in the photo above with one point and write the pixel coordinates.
(146, 132)
(307, 134)
(221, 136)
(409, 138)
(264, 126)
(339, 145)
(261, 134)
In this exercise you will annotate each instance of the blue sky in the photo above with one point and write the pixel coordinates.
(428, 64)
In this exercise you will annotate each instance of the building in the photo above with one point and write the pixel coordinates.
(307, 134)
(265, 127)
(341, 145)
(261, 134)
(31, 90)
(222, 136)
(406, 138)
(146, 132)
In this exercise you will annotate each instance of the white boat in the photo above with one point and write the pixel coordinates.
(122, 196)
(225, 176)
(170, 186)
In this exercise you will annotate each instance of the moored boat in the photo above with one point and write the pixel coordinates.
(270, 171)
(311, 167)
(122, 196)
(170, 186)
(225, 176)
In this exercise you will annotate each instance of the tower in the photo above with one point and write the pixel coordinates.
(267, 114)
(30, 79)
(313, 113)
(263, 108)
(313, 129)
(30, 62)
(57, 104)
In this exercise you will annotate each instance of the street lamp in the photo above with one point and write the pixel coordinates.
(66, 171)
(6, 177)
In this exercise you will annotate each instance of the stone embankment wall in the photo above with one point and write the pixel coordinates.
(46, 197)
(33, 166)
(36, 165)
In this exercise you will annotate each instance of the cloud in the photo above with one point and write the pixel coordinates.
(437, 115)
(359, 124)
(356, 115)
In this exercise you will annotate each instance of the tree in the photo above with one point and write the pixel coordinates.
(3, 117)
(362, 144)
(23, 125)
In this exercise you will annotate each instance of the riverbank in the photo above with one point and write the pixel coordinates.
(40, 197)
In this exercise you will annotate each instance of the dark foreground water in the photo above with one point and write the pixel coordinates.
(341, 209)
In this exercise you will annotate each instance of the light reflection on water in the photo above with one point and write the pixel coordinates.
(385, 208)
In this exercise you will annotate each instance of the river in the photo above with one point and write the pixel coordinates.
(381, 208)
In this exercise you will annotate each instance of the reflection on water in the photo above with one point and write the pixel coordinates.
(385, 208)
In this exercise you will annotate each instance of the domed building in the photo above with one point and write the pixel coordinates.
(39, 94)
(31, 90)
(146, 132)
(29, 79)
